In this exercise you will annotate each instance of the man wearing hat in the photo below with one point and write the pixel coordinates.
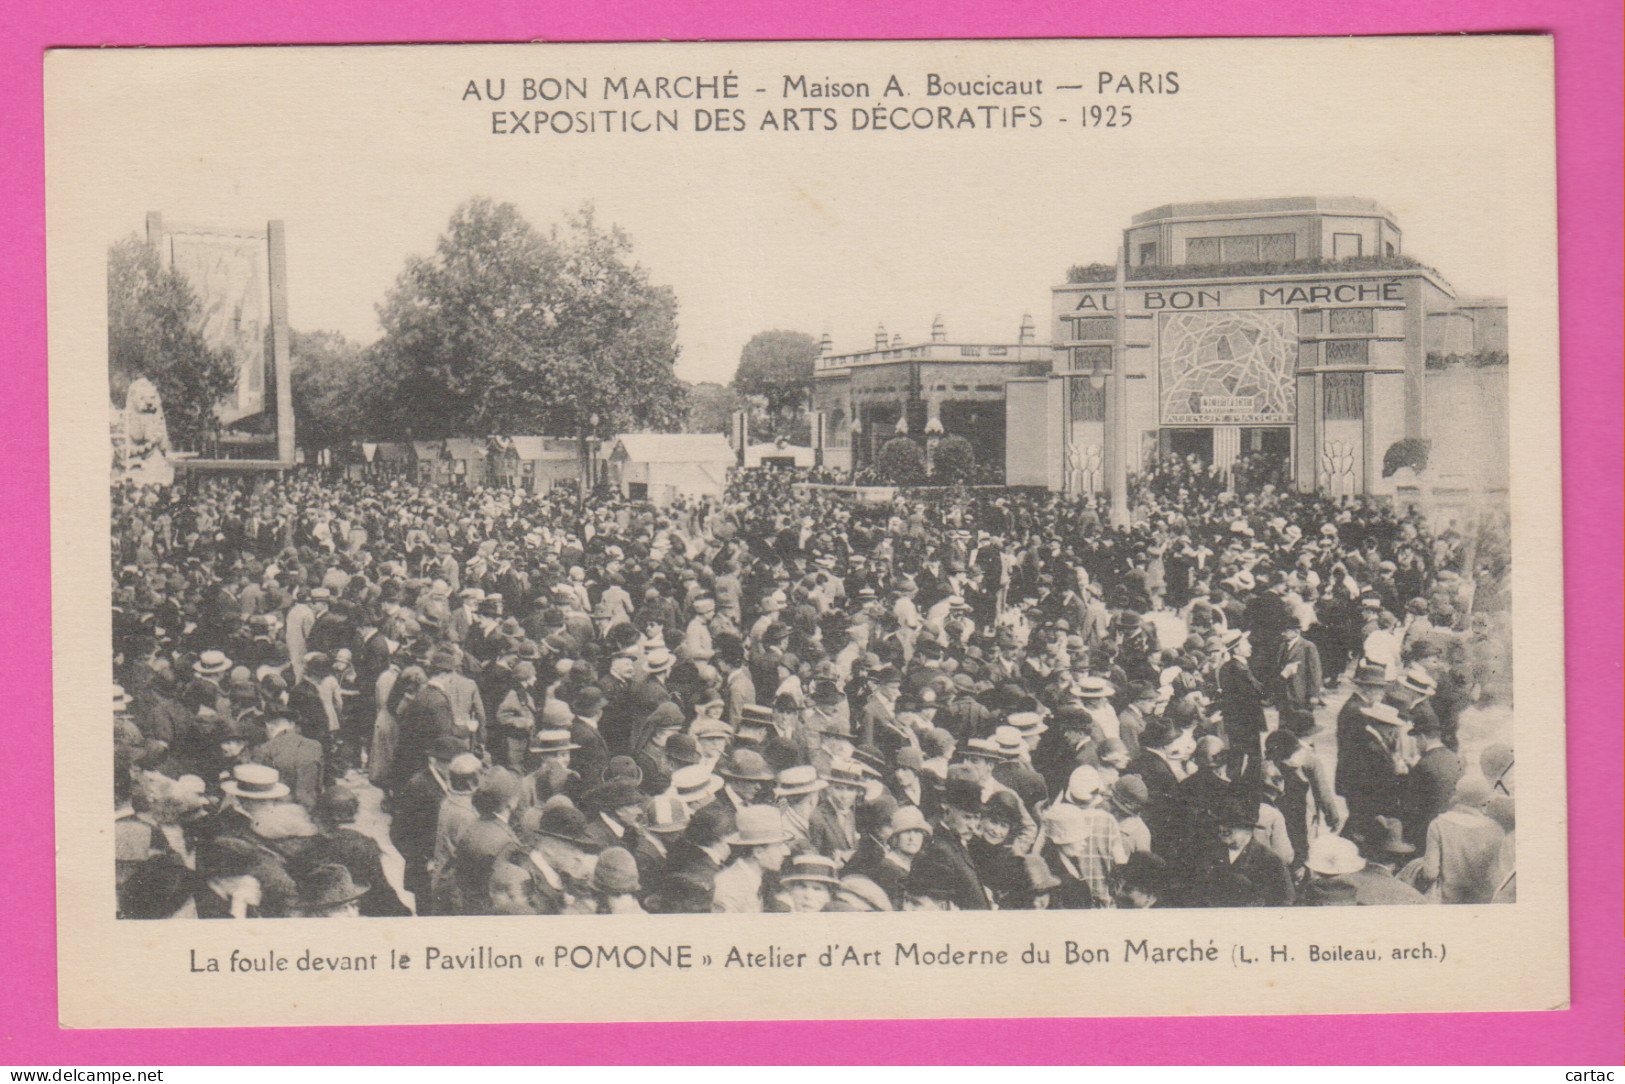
(1430, 785)
(746, 777)
(760, 845)
(413, 827)
(1299, 681)
(1412, 694)
(1371, 684)
(613, 809)
(833, 829)
(625, 718)
(552, 752)
(456, 813)
(328, 891)
(1241, 693)
(591, 757)
(1384, 851)
(687, 884)
(297, 759)
(1371, 767)
(250, 788)
(878, 725)
(560, 858)
(1269, 883)
(429, 717)
(797, 792)
(944, 864)
(860, 894)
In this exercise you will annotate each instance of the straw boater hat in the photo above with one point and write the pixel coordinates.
(1009, 741)
(211, 664)
(1093, 688)
(552, 741)
(811, 868)
(798, 780)
(847, 773)
(1419, 681)
(982, 749)
(255, 781)
(1029, 724)
(693, 782)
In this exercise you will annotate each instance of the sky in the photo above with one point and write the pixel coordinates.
(364, 154)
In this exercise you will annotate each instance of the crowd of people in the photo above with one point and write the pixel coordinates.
(341, 696)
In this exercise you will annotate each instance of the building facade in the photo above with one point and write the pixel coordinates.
(1291, 340)
(862, 399)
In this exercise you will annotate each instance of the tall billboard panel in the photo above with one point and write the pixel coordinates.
(229, 270)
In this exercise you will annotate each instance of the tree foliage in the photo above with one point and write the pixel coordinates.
(154, 329)
(505, 329)
(710, 406)
(778, 366)
(901, 462)
(954, 460)
(1410, 452)
(342, 391)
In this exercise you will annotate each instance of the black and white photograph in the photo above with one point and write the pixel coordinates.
(646, 481)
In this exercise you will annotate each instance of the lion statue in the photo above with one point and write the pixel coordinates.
(141, 438)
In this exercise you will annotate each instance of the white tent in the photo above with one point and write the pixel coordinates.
(661, 466)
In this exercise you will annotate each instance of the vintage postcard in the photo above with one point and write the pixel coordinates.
(1079, 518)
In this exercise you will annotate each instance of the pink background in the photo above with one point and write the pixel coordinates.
(1588, 36)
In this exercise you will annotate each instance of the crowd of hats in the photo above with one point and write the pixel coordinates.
(990, 667)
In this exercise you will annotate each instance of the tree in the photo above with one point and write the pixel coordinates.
(1410, 452)
(154, 329)
(778, 366)
(342, 391)
(954, 459)
(711, 407)
(901, 462)
(508, 330)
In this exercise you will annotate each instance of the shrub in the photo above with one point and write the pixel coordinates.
(954, 460)
(901, 462)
